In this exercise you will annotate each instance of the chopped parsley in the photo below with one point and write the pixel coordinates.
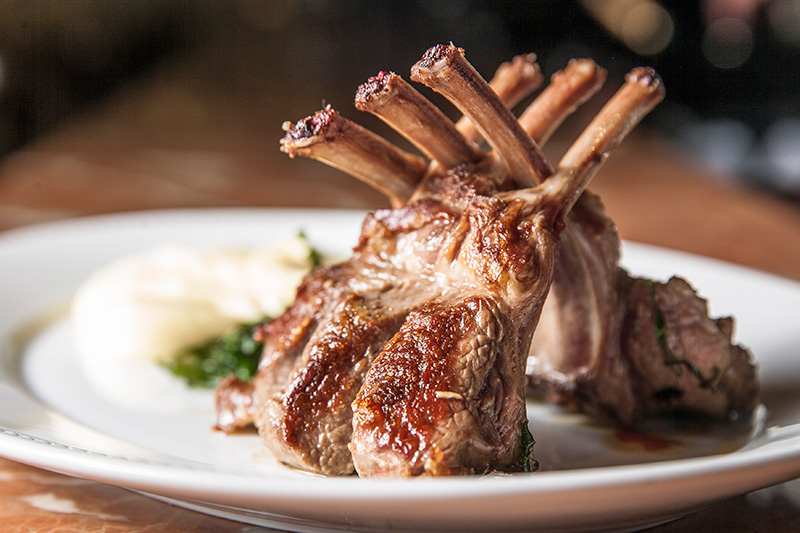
(526, 448)
(236, 352)
(314, 257)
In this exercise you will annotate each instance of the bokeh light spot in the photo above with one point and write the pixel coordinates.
(727, 43)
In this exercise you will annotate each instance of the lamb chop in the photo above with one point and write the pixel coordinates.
(409, 358)
(631, 349)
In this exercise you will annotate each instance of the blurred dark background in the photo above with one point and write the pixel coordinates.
(731, 67)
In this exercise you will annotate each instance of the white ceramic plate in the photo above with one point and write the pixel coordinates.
(593, 477)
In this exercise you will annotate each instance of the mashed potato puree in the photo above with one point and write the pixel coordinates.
(143, 309)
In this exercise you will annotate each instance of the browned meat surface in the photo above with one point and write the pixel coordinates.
(667, 325)
(314, 361)
(632, 349)
(409, 359)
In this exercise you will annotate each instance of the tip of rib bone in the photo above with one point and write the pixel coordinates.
(435, 58)
(642, 90)
(516, 79)
(307, 130)
(438, 52)
(374, 87)
(528, 62)
(584, 70)
(523, 70)
(646, 76)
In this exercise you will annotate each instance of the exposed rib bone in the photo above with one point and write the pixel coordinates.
(512, 81)
(394, 101)
(445, 70)
(568, 89)
(642, 90)
(328, 137)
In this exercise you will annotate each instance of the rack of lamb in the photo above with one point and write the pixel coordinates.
(410, 358)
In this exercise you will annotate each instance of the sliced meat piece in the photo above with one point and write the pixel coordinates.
(682, 361)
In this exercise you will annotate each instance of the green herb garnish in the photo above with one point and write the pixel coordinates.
(236, 352)
(526, 447)
(314, 257)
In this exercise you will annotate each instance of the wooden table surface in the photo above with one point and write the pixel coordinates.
(177, 140)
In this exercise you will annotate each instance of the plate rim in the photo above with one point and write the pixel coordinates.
(145, 476)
